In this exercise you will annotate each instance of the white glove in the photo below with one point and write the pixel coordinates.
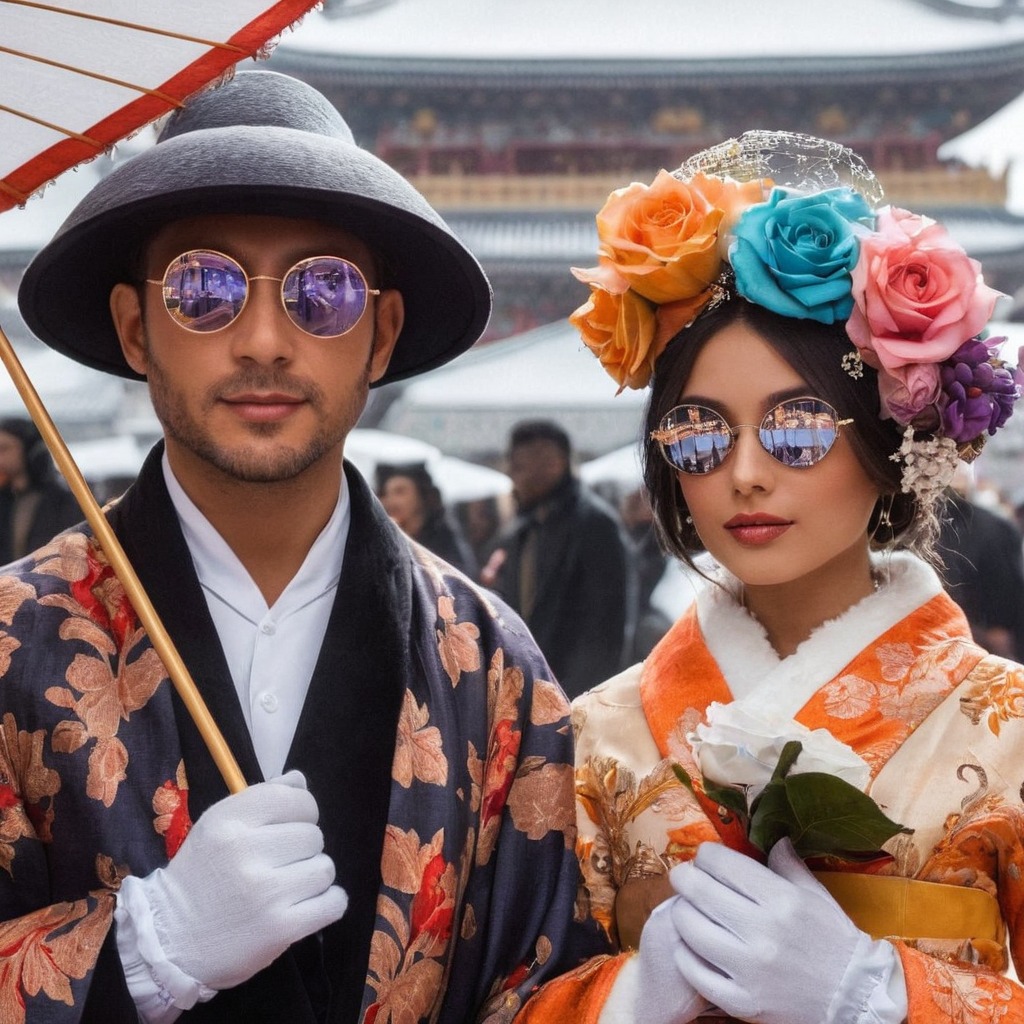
(250, 879)
(770, 944)
(664, 996)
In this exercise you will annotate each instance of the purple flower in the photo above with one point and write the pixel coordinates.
(978, 390)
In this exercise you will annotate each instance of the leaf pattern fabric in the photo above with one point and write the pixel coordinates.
(940, 722)
(477, 868)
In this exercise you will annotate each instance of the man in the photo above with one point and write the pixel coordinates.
(562, 562)
(410, 854)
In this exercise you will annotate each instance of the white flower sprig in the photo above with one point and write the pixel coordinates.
(928, 465)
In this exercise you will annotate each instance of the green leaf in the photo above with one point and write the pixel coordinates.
(728, 796)
(680, 773)
(771, 817)
(790, 752)
(822, 814)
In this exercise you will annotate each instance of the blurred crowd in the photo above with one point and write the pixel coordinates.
(584, 567)
(580, 565)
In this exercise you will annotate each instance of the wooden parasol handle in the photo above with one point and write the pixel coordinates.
(162, 643)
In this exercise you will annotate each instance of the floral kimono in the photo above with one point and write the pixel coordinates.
(437, 747)
(898, 679)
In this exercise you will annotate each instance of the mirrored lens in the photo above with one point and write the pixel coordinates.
(799, 433)
(694, 439)
(204, 291)
(325, 295)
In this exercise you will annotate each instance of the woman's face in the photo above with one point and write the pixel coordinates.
(771, 524)
(12, 458)
(401, 501)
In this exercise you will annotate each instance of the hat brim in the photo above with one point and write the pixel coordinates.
(64, 293)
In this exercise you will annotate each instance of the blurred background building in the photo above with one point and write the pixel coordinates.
(516, 120)
(517, 123)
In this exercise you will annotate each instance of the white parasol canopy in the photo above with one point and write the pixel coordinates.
(77, 76)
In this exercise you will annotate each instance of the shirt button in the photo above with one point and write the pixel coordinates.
(269, 703)
(268, 628)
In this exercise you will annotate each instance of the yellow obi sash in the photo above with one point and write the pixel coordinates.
(884, 906)
(887, 906)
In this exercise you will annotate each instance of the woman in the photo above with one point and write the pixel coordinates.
(817, 374)
(34, 503)
(411, 498)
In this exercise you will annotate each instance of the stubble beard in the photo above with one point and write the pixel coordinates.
(258, 462)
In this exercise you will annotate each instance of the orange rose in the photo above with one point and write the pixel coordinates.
(663, 238)
(619, 329)
(733, 196)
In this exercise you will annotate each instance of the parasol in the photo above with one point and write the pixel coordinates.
(75, 77)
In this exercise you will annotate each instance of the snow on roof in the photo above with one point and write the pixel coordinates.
(468, 407)
(655, 30)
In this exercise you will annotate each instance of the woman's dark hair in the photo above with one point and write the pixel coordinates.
(417, 472)
(38, 464)
(815, 351)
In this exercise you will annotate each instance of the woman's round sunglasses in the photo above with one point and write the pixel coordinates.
(798, 433)
(204, 290)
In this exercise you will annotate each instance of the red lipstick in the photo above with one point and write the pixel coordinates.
(753, 529)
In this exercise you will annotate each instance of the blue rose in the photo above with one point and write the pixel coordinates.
(793, 253)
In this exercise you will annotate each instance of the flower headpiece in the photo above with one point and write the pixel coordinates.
(795, 224)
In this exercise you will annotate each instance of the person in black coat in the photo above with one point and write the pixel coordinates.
(983, 571)
(34, 503)
(562, 562)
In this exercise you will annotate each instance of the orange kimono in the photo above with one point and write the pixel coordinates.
(899, 680)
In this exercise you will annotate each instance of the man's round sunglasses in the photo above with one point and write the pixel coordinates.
(204, 290)
(798, 433)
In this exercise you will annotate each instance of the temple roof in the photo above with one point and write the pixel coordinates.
(732, 33)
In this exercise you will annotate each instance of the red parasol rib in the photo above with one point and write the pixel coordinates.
(150, 99)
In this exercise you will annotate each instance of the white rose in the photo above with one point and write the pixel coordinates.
(737, 748)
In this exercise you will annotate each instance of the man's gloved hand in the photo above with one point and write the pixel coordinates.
(250, 879)
(770, 944)
(664, 996)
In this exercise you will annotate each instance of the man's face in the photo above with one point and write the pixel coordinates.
(536, 468)
(260, 400)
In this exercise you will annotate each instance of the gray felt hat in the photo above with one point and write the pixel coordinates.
(263, 143)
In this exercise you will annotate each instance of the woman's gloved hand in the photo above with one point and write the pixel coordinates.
(770, 944)
(664, 996)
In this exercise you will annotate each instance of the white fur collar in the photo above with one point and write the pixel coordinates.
(753, 670)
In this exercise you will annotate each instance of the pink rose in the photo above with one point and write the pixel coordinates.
(907, 390)
(917, 295)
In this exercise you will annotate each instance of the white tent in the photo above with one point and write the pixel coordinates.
(468, 407)
(77, 397)
(122, 457)
(108, 457)
(620, 467)
(457, 479)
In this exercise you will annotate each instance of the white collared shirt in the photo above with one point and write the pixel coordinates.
(271, 652)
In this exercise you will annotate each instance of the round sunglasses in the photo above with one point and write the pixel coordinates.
(798, 433)
(205, 290)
